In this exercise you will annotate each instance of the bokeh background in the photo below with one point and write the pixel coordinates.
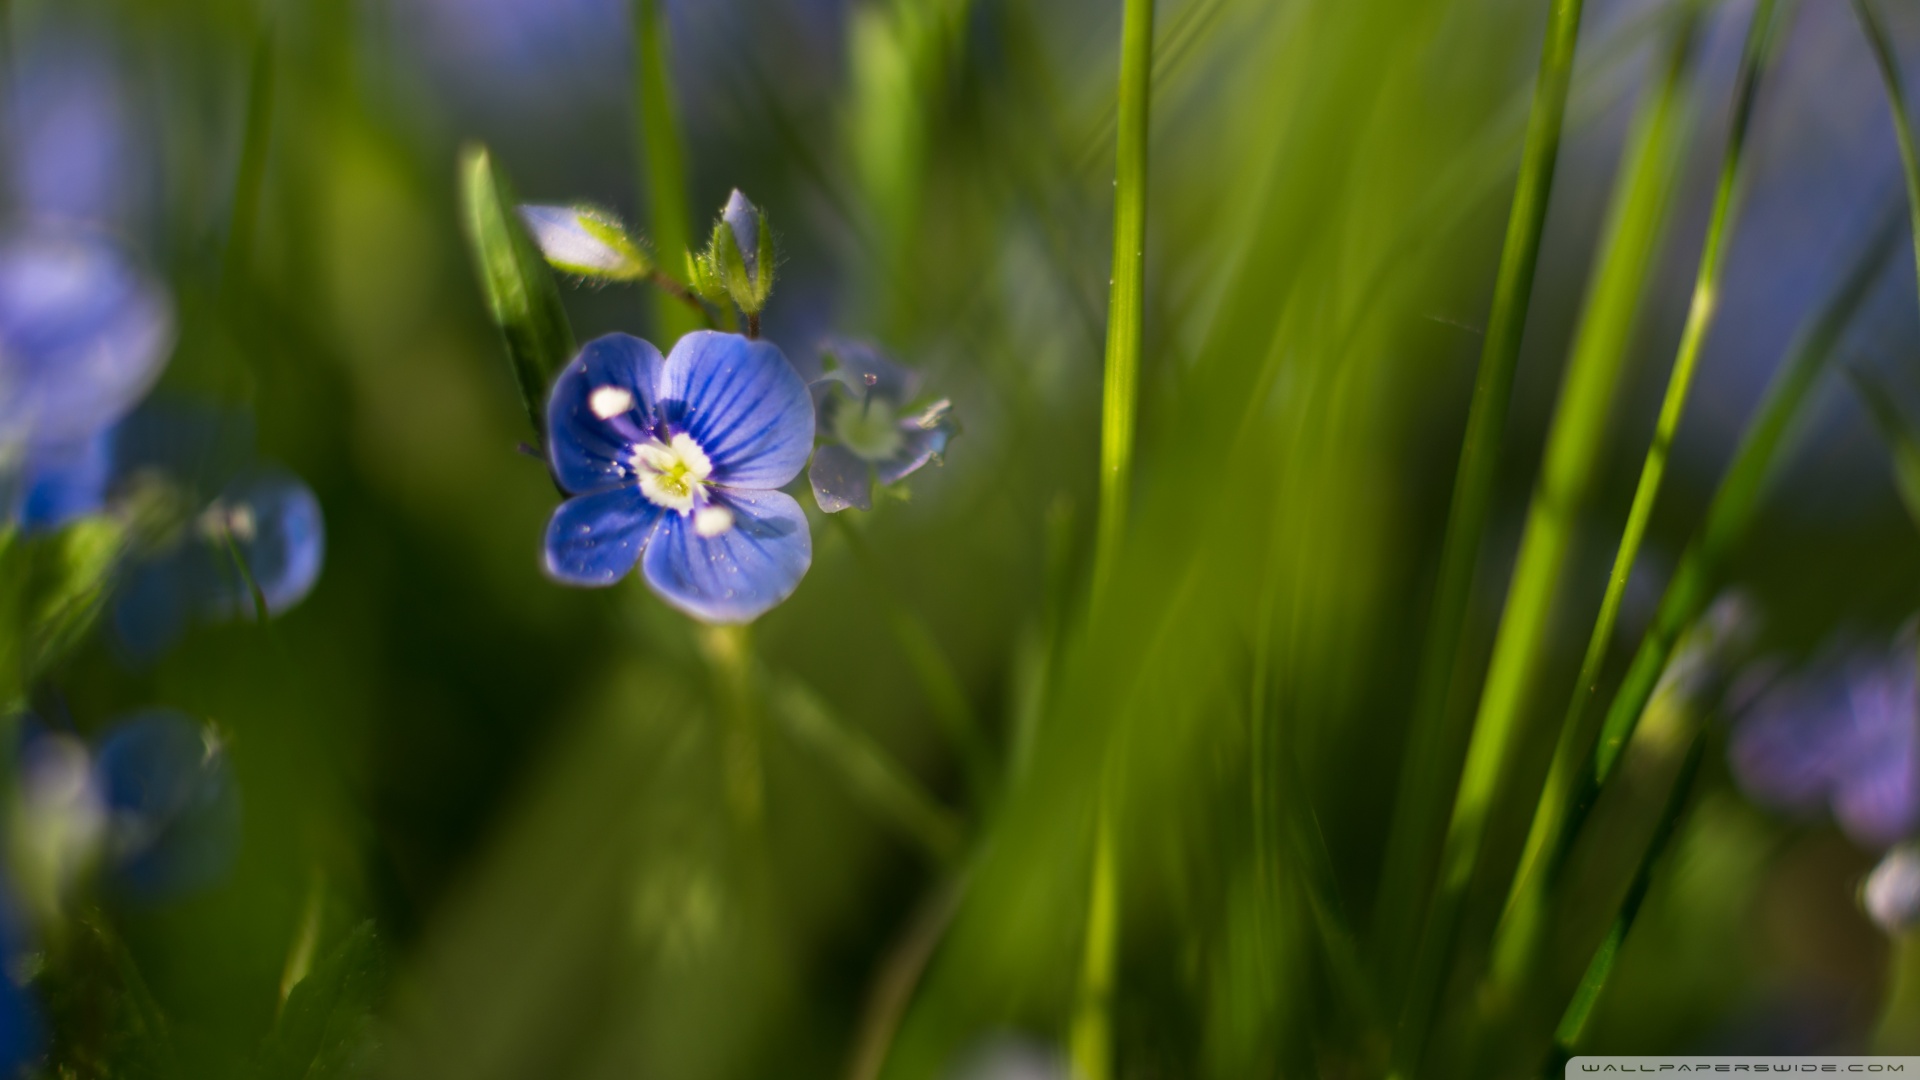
(499, 817)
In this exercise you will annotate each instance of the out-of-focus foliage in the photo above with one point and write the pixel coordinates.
(493, 827)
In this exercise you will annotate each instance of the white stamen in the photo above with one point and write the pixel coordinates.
(670, 473)
(712, 521)
(610, 401)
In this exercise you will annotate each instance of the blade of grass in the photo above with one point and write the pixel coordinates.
(1898, 436)
(1425, 771)
(1649, 172)
(1515, 940)
(1092, 1035)
(1728, 517)
(521, 295)
(663, 152)
(871, 775)
(1573, 1023)
(255, 140)
(1889, 64)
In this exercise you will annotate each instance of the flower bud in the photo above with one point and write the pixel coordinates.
(585, 240)
(741, 255)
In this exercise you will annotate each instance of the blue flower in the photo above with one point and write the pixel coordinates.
(69, 154)
(220, 501)
(1841, 737)
(270, 518)
(674, 464)
(83, 335)
(173, 810)
(870, 433)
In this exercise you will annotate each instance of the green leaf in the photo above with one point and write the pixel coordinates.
(520, 291)
(1899, 436)
(52, 588)
(102, 1021)
(326, 1029)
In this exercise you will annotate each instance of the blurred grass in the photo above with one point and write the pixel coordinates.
(524, 789)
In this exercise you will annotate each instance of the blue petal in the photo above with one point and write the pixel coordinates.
(860, 366)
(66, 482)
(173, 809)
(743, 403)
(840, 479)
(276, 524)
(589, 451)
(923, 439)
(595, 539)
(83, 334)
(743, 220)
(738, 575)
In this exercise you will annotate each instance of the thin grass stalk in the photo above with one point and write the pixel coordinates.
(1649, 172)
(662, 149)
(1889, 64)
(1515, 939)
(255, 139)
(1573, 1022)
(1427, 768)
(1092, 1035)
(1126, 308)
(1728, 516)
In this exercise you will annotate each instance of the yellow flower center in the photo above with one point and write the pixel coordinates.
(672, 473)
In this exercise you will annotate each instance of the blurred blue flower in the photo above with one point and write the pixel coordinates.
(209, 499)
(69, 155)
(266, 516)
(83, 335)
(173, 810)
(679, 459)
(1839, 736)
(862, 403)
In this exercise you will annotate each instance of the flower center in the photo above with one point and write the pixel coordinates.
(673, 474)
(869, 429)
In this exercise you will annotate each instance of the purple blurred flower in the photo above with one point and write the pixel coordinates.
(869, 431)
(1839, 736)
(69, 154)
(679, 459)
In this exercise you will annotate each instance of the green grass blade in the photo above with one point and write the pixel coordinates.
(1514, 941)
(1889, 64)
(1728, 517)
(663, 152)
(1092, 1035)
(254, 142)
(1573, 1023)
(1649, 173)
(1126, 308)
(1424, 785)
(521, 295)
(871, 775)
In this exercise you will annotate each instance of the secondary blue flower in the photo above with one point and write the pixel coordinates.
(83, 335)
(871, 434)
(266, 515)
(173, 811)
(1843, 737)
(674, 464)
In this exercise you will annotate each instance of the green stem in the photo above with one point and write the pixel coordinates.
(1428, 765)
(659, 140)
(1728, 518)
(1126, 309)
(1889, 63)
(1092, 1034)
(872, 776)
(938, 680)
(1517, 936)
(1649, 172)
(255, 141)
(1573, 1022)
